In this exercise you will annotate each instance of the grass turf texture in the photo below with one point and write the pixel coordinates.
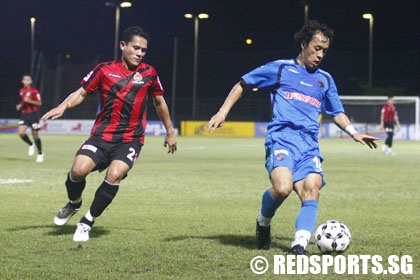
(191, 215)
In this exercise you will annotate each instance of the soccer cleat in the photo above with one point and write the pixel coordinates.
(40, 158)
(263, 237)
(389, 152)
(31, 150)
(65, 213)
(82, 233)
(297, 250)
(384, 147)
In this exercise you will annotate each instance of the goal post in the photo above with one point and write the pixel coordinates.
(367, 109)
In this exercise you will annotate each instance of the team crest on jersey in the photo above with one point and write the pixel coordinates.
(320, 83)
(138, 79)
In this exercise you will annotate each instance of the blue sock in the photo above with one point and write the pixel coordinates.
(269, 205)
(306, 219)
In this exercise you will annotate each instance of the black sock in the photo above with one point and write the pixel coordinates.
(86, 221)
(38, 145)
(103, 197)
(74, 190)
(26, 139)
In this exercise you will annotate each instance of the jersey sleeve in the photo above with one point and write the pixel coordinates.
(332, 104)
(262, 77)
(35, 95)
(383, 110)
(156, 87)
(92, 80)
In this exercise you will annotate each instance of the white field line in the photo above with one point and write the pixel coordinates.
(14, 181)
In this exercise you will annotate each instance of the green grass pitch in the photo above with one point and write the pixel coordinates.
(191, 215)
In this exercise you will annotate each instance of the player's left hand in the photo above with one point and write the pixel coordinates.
(366, 140)
(170, 142)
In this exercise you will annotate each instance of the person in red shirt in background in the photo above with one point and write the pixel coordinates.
(30, 102)
(389, 118)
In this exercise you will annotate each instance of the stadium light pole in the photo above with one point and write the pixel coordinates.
(370, 18)
(305, 5)
(195, 63)
(124, 4)
(306, 11)
(32, 20)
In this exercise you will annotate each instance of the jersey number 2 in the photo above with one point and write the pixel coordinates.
(131, 155)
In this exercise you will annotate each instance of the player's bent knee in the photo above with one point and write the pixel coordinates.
(79, 172)
(116, 172)
(21, 132)
(281, 192)
(82, 166)
(115, 176)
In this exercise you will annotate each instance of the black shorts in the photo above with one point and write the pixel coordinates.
(31, 120)
(103, 153)
(389, 126)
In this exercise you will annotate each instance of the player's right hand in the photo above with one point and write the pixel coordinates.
(216, 121)
(365, 139)
(170, 142)
(18, 107)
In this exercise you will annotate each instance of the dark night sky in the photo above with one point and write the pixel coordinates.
(85, 29)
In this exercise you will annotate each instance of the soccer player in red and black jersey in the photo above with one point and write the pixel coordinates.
(389, 118)
(30, 102)
(118, 133)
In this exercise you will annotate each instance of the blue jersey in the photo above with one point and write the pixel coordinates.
(297, 96)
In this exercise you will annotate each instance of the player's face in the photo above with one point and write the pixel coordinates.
(26, 81)
(313, 53)
(133, 52)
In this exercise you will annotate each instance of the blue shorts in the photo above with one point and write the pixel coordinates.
(295, 150)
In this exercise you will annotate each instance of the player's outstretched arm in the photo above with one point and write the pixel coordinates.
(71, 101)
(163, 112)
(218, 119)
(344, 123)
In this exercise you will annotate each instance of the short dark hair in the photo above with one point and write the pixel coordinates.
(309, 29)
(132, 31)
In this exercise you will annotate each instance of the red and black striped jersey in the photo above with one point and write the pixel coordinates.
(389, 112)
(33, 94)
(123, 99)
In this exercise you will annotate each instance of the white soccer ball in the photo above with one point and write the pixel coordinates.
(332, 236)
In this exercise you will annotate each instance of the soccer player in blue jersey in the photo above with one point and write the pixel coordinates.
(299, 92)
